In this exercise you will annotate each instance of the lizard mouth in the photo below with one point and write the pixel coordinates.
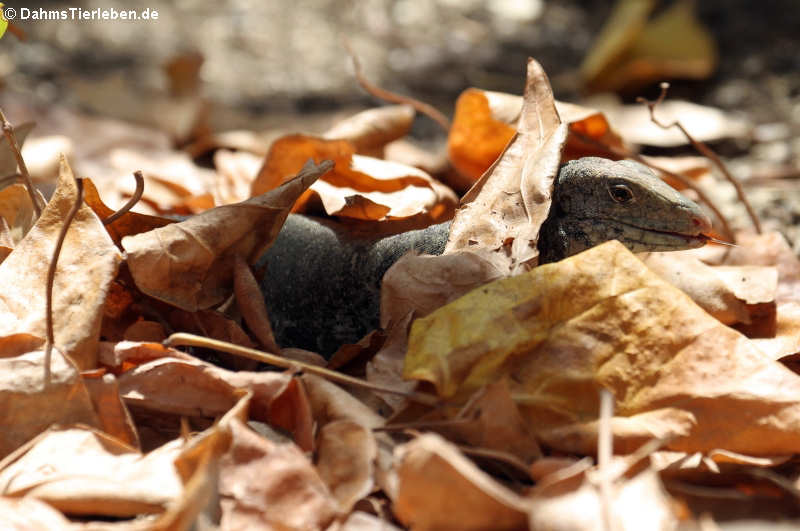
(662, 239)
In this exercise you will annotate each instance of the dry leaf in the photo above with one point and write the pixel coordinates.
(80, 471)
(178, 387)
(512, 199)
(493, 421)
(30, 513)
(786, 340)
(422, 196)
(485, 121)
(6, 240)
(386, 366)
(359, 187)
(151, 331)
(252, 306)
(188, 264)
(633, 504)
(128, 224)
(731, 294)
(369, 131)
(27, 405)
(86, 267)
(198, 466)
(439, 488)
(706, 124)
(113, 416)
(601, 318)
(237, 170)
(476, 137)
(630, 432)
(330, 403)
(264, 485)
(17, 210)
(632, 52)
(346, 452)
(624, 25)
(189, 387)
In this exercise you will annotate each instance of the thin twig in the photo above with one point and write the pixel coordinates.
(428, 110)
(605, 452)
(703, 149)
(137, 194)
(686, 181)
(51, 276)
(191, 340)
(423, 424)
(8, 131)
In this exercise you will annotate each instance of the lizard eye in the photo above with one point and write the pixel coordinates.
(620, 193)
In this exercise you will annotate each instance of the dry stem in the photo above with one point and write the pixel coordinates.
(51, 275)
(184, 339)
(11, 138)
(137, 194)
(706, 151)
(428, 110)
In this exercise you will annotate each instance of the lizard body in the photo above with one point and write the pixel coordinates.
(322, 282)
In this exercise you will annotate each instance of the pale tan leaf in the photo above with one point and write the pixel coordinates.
(237, 170)
(81, 471)
(114, 418)
(330, 403)
(346, 452)
(640, 502)
(6, 240)
(501, 215)
(264, 485)
(428, 198)
(439, 488)
(705, 124)
(27, 405)
(86, 267)
(30, 513)
(178, 387)
(189, 387)
(369, 131)
(630, 432)
(731, 294)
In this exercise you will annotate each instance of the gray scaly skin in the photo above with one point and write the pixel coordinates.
(322, 282)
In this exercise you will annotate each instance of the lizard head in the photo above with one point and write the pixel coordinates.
(597, 200)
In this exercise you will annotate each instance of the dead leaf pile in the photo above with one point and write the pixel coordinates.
(480, 405)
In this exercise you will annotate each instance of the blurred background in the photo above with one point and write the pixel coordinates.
(285, 56)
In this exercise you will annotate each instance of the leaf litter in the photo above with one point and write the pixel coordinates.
(695, 348)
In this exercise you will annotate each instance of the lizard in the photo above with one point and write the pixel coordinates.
(322, 280)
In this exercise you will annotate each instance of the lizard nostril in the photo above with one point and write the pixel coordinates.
(702, 223)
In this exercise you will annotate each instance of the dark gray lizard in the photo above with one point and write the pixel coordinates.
(322, 281)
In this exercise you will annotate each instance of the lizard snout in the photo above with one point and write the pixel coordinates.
(701, 222)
